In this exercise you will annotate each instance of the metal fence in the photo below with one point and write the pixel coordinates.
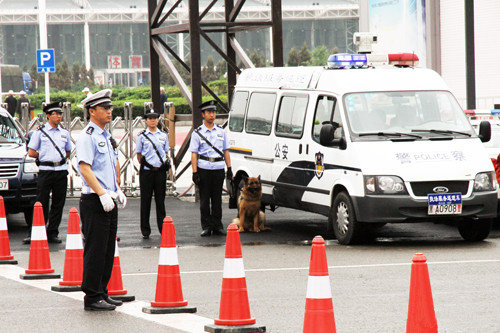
(123, 128)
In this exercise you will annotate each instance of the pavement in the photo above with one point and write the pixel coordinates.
(370, 282)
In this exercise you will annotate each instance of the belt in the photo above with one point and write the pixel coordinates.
(150, 167)
(211, 159)
(53, 164)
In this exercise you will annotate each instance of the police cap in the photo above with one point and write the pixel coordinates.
(208, 106)
(53, 107)
(150, 114)
(100, 98)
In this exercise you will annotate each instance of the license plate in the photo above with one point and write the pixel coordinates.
(444, 204)
(4, 184)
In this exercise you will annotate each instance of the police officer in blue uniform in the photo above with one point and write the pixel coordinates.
(209, 153)
(152, 148)
(97, 164)
(51, 146)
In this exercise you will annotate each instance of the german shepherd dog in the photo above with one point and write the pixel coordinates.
(251, 218)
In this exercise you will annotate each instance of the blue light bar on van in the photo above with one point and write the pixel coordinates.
(346, 60)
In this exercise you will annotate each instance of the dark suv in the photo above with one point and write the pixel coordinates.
(18, 172)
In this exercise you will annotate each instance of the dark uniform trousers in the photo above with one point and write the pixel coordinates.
(57, 183)
(210, 187)
(99, 229)
(150, 182)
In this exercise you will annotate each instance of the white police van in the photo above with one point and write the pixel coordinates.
(363, 145)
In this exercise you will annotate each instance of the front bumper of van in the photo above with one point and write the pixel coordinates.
(398, 208)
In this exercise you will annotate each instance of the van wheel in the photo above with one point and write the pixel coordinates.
(474, 231)
(241, 184)
(343, 220)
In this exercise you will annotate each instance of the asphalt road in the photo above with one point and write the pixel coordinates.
(370, 283)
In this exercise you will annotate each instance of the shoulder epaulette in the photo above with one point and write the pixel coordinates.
(143, 132)
(90, 130)
(219, 126)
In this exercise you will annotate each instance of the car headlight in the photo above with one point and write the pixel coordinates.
(384, 185)
(30, 167)
(485, 181)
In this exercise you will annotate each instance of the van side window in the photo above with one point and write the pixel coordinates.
(237, 112)
(291, 116)
(325, 107)
(260, 113)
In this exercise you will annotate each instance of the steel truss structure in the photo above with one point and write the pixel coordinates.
(198, 27)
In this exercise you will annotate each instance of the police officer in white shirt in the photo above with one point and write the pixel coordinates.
(51, 146)
(209, 154)
(97, 164)
(152, 149)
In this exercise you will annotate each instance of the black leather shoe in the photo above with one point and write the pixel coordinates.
(100, 305)
(113, 301)
(206, 232)
(54, 239)
(145, 236)
(218, 232)
(27, 240)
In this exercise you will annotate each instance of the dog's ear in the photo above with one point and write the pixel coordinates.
(258, 178)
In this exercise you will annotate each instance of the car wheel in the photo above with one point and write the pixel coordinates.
(474, 230)
(343, 219)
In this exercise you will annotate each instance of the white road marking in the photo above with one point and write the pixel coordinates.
(332, 267)
(184, 322)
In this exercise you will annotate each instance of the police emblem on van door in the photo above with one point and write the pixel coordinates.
(319, 164)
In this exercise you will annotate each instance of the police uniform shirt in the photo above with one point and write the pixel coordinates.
(217, 137)
(146, 149)
(46, 150)
(94, 148)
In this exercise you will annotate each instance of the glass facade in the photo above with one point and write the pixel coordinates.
(125, 39)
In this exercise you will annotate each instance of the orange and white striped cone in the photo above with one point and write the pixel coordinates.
(168, 297)
(115, 284)
(5, 256)
(234, 311)
(39, 263)
(319, 317)
(421, 315)
(73, 261)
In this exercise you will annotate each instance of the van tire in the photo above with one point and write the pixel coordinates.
(475, 230)
(240, 183)
(343, 221)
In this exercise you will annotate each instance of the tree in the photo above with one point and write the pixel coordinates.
(76, 73)
(220, 69)
(304, 56)
(90, 75)
(293, 57)
(36, 77)
(258, 59)
(208, 71)
(61, 79)
(319, 56)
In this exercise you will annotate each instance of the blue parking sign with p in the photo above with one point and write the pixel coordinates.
(45, 61)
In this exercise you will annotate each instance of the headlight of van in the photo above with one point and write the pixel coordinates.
(384, 185)
(485, 181)
(30, 167)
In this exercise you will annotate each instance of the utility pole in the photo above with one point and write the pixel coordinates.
(470, 63)
(42, 21)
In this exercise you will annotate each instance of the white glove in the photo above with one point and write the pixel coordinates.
(107, 202)
(121, 198)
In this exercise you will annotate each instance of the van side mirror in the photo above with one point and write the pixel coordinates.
(485, 131)
(327, 137)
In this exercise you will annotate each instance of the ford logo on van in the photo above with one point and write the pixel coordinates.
(440, 189)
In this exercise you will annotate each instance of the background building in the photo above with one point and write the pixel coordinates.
(112, 36)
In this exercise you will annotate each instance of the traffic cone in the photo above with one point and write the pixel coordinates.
(234, 307)
(169, 297)
(319, 317)
(73, 260)
(39, 263)
(421, 316)
(115, 284)
(5, 256)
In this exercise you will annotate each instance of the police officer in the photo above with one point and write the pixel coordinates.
(100, 194)
(209, 153)
(152, 147)
(51, 146)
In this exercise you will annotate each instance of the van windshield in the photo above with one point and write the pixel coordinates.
(426, 113)
(8, 131)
